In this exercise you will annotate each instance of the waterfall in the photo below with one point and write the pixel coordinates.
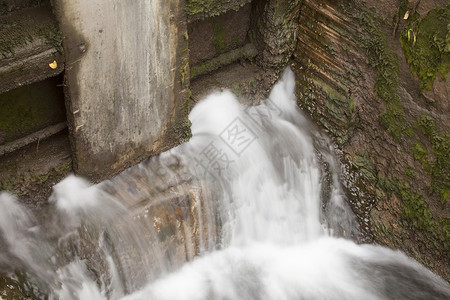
(265, 218)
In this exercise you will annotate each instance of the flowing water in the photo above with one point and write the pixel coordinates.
(256, 208)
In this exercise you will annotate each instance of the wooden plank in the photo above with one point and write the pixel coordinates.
(29, 42)
(248, 51)
(10, 6)
(34, 137)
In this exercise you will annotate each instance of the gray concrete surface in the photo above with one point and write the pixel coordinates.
(126, 70)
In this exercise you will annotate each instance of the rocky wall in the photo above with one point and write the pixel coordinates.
(274, 31)
(358, 78)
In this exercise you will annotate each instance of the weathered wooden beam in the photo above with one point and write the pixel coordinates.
(127, 77)
(34, 137)
(29, 42)
(248, 51)
(9, 6)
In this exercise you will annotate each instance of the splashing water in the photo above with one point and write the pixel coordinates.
(253, 203)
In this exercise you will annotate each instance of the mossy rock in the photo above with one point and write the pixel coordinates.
(384, 61)
(415, 211)
(181, 131)
(420, 153)
(426, 44)
(439, 168)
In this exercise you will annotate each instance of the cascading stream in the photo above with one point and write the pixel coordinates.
(271, 221)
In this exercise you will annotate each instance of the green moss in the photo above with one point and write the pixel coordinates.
(194, 7)
(17, 33)
(445, 223)
(420, 153)
(351, 107)
(40, 178)
(393, 120)
(22, 183)
(338, 106)
(52, 35)
(63, 168)
(440, 146)
(220, 36)
(327, 99)
(384, 61)
(414, 208)
(184, 75)
(181, 131)
(415, 211)
(209, 8)
(364, 164)
(330, 92)
(186, 106)
(31, 108)
(444, 193)
(6, 185)
(409, 172)
(426, 44)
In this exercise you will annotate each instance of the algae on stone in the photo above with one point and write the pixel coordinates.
(220, 33)
(31, 108)
(384, 61)
(32, 29)
(440, 167)
(415, 210)
(426, 44)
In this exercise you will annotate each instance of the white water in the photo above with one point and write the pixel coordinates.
(273, 186)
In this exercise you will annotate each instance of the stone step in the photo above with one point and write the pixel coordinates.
(29, 42)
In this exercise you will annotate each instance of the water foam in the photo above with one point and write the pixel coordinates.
(284, 229)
